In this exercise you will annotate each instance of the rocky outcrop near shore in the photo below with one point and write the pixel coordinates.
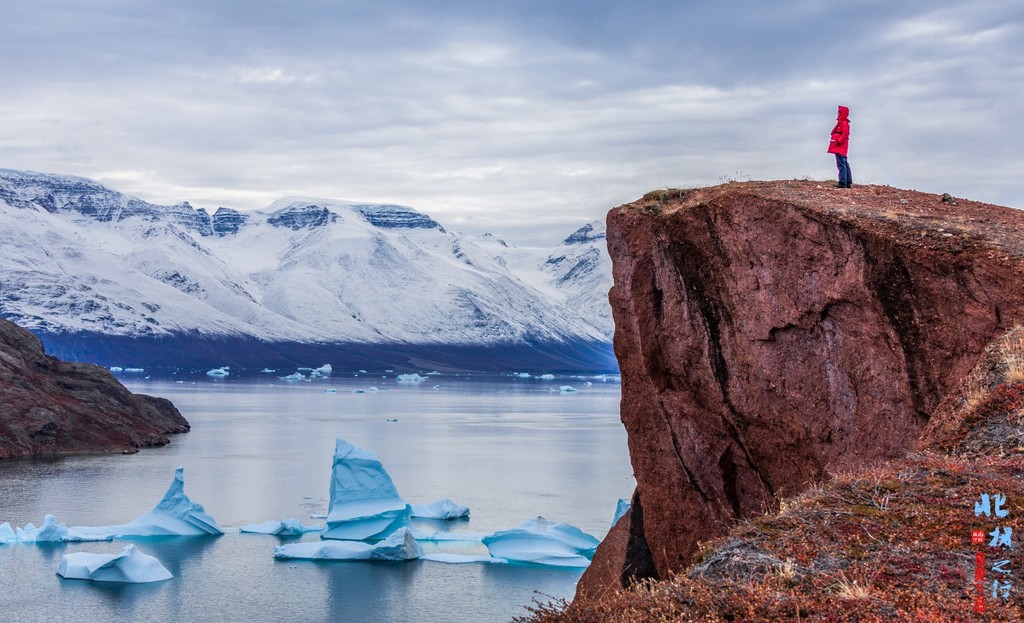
(50, 408)
(773, 334)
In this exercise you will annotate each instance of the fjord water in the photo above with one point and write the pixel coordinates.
(260, 449)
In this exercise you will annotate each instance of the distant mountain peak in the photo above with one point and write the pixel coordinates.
(586, 234)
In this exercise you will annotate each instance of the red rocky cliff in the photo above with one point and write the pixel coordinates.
(772, 333)
(49, 407)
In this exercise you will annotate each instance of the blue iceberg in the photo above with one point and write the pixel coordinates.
(398, 547)
(175, 515)
(129, 566)
(285, 527)
(543, 542)
(364, 502)
(441, 509)
(7, 534)
(621, 507)
(52, 532)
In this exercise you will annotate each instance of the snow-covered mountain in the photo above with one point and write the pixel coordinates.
(96, 274)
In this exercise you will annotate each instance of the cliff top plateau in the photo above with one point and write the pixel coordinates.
(50, 407)
(812, 390)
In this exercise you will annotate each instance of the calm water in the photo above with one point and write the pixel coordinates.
(510, 449)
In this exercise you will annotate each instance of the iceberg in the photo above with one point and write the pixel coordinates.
(295, 376)
(174, 515)
(218, 372)
(364, 503)
(398, 547)
(410, 378)
(543, 542)
(285, 527)
(7, 534)
(566, 389)
(325, 369)
(116, 369)
(52, 532)
(620, 509)
(547, 377)
(441, 509)
(129, 566)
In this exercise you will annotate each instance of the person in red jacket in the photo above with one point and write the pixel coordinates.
(839, 144)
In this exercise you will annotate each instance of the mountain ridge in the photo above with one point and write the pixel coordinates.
(81, 259)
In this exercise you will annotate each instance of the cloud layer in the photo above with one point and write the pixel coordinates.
(523, 118)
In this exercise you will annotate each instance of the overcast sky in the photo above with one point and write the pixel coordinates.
(525, 118)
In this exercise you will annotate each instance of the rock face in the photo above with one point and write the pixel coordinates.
(770, 334)
(49, 407)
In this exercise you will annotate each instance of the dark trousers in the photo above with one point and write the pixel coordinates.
(845, 177)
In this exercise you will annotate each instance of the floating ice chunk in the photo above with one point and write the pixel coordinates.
(440, 536)
(361, 371)
(620, 509)
(398, 547)
(543, 542)
(330, 390)
(219, 372)
(7, 534)
(373, 389)
(325, 369)
(135, 370)
(566, 389)
(364, 502)
(285, 527)
(130, 566)
(522, 375)
(295, 376)
(52, 532)
(174, 515)
(267, 371)
(441, 509)
(546, 377)
(458, 559)
(116, 369)
(410, 378)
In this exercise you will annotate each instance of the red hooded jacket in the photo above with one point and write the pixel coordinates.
(841, 133)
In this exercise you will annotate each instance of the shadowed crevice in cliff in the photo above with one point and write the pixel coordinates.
(770, 334)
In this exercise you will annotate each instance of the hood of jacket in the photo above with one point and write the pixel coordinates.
(844, 113)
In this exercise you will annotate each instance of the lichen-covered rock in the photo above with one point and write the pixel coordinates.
(50, 407)
(772, 333)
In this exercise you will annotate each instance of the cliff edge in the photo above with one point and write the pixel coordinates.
(50, 407)
(773, 334)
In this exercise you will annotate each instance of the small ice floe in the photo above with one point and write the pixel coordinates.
(285, 527)
(219, 372)
(116, 369)
(547, 377)
(130, 566)
(441, 509)
(566, 389)
(410, 378)
(295, 376)
(522, 375)
(330, 390)
(135, 370)
(267, 371)
(543, 542)
(400, 546)
(52, 532)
